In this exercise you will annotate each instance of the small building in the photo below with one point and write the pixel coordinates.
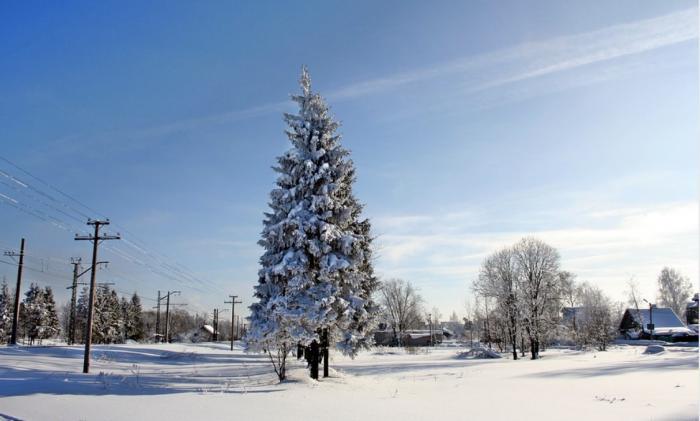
(666, 325)
(409, 338)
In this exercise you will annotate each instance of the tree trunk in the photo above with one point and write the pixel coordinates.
(325, 344)
(534, 349)
(313, 348)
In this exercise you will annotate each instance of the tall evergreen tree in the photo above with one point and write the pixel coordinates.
(316, 269)
(134, 320)
(81, 314)
(6, 307)
(107, 320)
(50, 323)
(33, 314)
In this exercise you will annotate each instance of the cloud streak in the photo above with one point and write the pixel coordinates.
(474, 74)
(537, 59)
(607, 246)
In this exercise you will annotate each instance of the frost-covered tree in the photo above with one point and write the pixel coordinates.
(358, 334)
(133, 321)
(81, 314)
(111, 317)
(107, 319)
(316, 269)
(51, 326)
(674, 290)
(6, 307)
(402, 306)
(39, 314)
(538, 266)
(597, 321)
(498, 279)
(33, 312)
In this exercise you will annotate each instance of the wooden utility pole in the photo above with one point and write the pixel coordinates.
(15, 316)
(71, 324)
(157, 307)
(233, 303)
(215, 323)
(96, 239)
(75, 261)
(217, 311)
(166, 337)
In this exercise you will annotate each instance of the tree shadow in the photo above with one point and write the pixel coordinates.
(682, 363)
(382, 368)
(132, 371)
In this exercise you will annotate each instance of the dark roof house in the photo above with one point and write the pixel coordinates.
(667, 325)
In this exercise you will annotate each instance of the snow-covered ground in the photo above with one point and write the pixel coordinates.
(208, 381)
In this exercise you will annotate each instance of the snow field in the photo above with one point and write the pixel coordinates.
(208, 381)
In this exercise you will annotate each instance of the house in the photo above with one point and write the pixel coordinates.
(569, 315)
(409, 337)
(666, 325)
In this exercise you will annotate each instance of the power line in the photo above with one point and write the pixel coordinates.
(174, 271)
(94, 212)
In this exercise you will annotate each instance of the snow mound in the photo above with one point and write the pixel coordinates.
(654, 349)
(478, 353)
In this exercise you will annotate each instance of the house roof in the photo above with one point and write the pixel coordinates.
(661, 317)
(666, 322)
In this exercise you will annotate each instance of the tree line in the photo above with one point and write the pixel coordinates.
(116, 319)
(525, 301)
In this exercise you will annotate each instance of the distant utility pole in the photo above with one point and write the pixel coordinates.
(233, 303)
(15, 316)
(167, 312)
(215, 325)
(216, 322)
(75, 261)
(96, 240)
(157, 307)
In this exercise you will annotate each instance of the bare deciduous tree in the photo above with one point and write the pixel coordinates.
(402, 306)
(674, 290)
(538, 265)
(598, 317)
(498, 280)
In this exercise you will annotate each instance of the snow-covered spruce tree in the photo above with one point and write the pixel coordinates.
(50, 323)
(33, 314)
(81, 315)
(107, 320)
(134, 321)
(316, 269)
(5, 312)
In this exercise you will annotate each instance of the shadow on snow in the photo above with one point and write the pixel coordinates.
(134, 371)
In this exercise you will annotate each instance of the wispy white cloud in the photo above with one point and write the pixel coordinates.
(535, 59)
(607, 246)
(474, 74)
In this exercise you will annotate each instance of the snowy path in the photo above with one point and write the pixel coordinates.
(207, 381)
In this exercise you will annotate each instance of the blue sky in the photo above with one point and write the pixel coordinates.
(471, 125)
